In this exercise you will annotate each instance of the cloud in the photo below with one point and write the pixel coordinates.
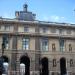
(46, 18)
(53, 18)
(57, 18)
(7, 15)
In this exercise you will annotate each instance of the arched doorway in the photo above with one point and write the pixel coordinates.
(5, 59)
(25, 65)
(63, 66)
(44, 66)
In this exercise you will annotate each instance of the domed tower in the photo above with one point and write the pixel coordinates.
(25, 14)
(25, 7)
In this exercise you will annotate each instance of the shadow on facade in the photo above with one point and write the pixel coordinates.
(63, 66)
(25, 65)
(44, 66)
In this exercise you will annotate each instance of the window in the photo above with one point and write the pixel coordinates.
(60, 31)
(53, 30)
(61, 43)
(26, 29)
(0, 27)
(44, 30)
(25, 43)
(44, 44)
(6, 41)
(53, 47)
(71, 62)
(54, 62)
(68, 31)
(70, 47)
(7, 27)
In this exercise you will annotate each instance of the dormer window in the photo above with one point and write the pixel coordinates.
(44, 30)
(26, 29)
(7, 28)
(60, 31)
(68, 31)
(53, 30)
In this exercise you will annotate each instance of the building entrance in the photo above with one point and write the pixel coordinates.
(44, 66)
(63, 66)
(25, 65)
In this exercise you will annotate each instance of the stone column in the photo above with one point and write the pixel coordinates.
(14, 51)
(37, 56)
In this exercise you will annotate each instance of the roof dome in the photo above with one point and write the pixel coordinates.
(25, 14)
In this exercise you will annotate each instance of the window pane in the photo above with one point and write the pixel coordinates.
(26, 29)
(68, 31)
(45, 30)
(53, 30)
(6, 41)
(61, 42)
(44, 44)
(25, 43)
(61, 31)
(7, 27)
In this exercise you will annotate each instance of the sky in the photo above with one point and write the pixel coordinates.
(45, 10)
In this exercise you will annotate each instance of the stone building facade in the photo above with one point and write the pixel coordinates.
(37, 47)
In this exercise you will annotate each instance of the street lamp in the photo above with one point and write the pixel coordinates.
(3, 46)
(1, 58)
(40, 69)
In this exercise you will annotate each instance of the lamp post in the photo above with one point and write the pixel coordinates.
(3, 46)
(1, 58)
(41, 69)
